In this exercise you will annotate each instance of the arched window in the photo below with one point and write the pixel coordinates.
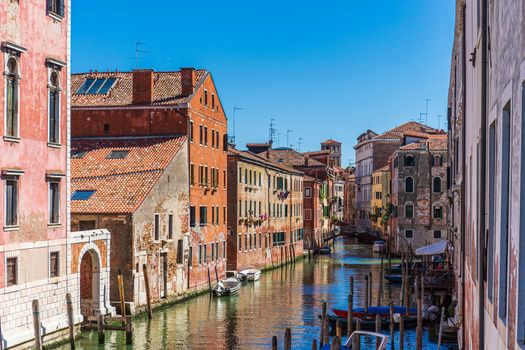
(409, 184)
(54, 108)
(437, 160)
(410, 160)
(436, 185)
(409, 210)
(437, 211)
(11, 99)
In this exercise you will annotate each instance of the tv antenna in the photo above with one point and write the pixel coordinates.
(235, 109)
(273, 129)
(138, 51)
(288, 132)
(439, 121)
(299, 143)
(426, 110)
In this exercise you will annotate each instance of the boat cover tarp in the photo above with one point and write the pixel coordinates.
(433, 249)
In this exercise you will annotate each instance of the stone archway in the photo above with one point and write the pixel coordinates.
(89, 283)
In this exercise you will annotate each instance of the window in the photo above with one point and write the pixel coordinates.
(217, 251)
(86, 225)
(82, 195)
(436, 185)
(201, 136)
(224, 215)
(54, 270)
(12, 271)
(410, 160)
(409, 185)
(190, 256)
(278, 238)
(192, 174)
(307, 192)
(54, 108)
(12, 95)
(212, 138)
(119, 154)
(170, 226)
(54, 201)
(191, 131)
(56, 7)
(11, 200)
(203, 215)
(437, 234)
(217, 138)
(205, 136)
(156, 228)
(437, 160)
(206, 98)
(224, 179)
(205, 253)
(213, 101)
(200, 254)
(504, 211)
(239, 245)
(212, 215)
(437, 211)
(192, 216)
(106, 128)
(180, 251)
(78, 154)
(409, 233)
(224, 249)
(96, 86)
(409, 210)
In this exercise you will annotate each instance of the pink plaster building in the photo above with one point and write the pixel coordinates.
(39, 259)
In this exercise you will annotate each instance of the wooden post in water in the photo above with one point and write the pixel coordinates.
(441, 320)
(70, 321)
(314, 344)
(129, 330)
(216, 274)
(366, 293)
(407, 286)
(350, 317)
(370, 301)
(403, 281)
(323, 324)
(274, 343)
(352, 285)
(100, 329)
(378, 330)
(419, 329)
(380, 289)
(287, 339)
(120, 282)
(392, 343)
(389, 255)
(357, 338)
(209, 280)
(338, 329)
(401, 332)
(36, 325)
(148, 295)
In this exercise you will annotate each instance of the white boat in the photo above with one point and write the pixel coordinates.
(379, 247)
(252, 274)
(234, 274)
(225, 287)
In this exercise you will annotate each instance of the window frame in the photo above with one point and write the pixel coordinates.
(407, 204)
(15, 209)
(51, 254)
(52, 181)
(412, 184)
(16, 272)
(53, 114)
(14, 77)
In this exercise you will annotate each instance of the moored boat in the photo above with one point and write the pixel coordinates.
(325, 250)
(378, 247)
(394, 278)
(369, 323)
(225, 287)
(382, 311)
(252, 274)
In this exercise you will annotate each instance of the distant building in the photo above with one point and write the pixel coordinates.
(137, 187)
(266, 211)
(372, 152)
(349, 202)
(419, 200)
(148, 103)
(335, 151)
(380, 202)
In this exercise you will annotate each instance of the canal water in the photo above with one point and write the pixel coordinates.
(291, 296)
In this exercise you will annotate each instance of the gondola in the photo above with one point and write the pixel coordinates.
(369, 323)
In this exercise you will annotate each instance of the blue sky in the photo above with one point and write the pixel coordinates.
(329, 69)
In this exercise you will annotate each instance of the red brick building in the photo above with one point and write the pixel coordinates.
(265, 201)
(148, 103)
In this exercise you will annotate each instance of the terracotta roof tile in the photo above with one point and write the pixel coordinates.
(120, 185)
(260, 158)
(410, 127)
(167, 89)
(331, 142)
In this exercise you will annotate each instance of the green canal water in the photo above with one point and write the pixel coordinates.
(291, 296)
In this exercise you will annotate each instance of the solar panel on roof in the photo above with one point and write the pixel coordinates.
(82, 195)
(96, 86)
(108, 84)
(85, 86)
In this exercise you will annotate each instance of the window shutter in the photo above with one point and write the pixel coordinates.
(49, 5)
(225, 142)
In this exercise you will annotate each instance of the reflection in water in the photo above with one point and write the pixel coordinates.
(286, 297)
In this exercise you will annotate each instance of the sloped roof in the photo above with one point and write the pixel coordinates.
(408, 128)
(331, 142)
(232, 152)
(292, 158)
(434, 143)
(120, 184)
(167, 89)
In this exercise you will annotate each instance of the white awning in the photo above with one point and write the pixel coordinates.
(433, 249)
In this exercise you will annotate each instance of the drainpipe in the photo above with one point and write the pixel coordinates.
(483, 168)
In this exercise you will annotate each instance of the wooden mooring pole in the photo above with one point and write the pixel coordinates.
(357, 338)
(287, 339)
(100, 329)
(392, 343)
(148, 296)
(70, 321)
(378, 330)
(209, 281)
(380, 289)
(441, 320)
(401, 332)
(274, 343)
(419, 329)
(216, 274)
(129, 330)
(36, 325)
(350, 317)
(120, 282)
(366, 293)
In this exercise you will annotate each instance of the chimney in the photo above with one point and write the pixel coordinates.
(142, 86)
(187, 77)
(306, 159)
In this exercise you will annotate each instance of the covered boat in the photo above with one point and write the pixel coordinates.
(383, 311)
